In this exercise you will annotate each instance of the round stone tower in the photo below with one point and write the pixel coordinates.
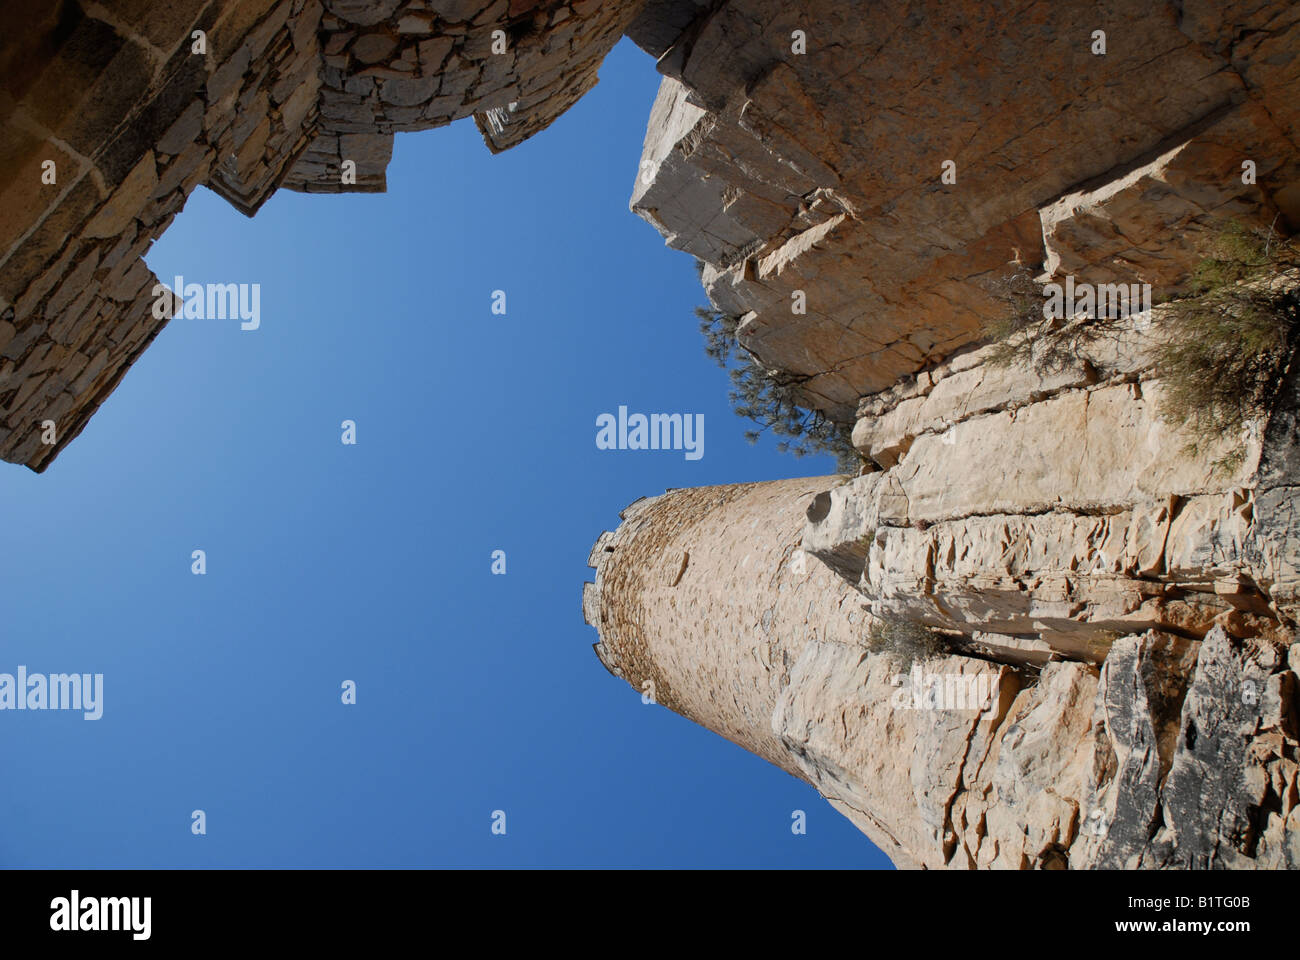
(704, 600)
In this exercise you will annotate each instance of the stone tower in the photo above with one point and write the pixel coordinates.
(1042, 531)
(1126, 603)
(729, 605)
(704, 595)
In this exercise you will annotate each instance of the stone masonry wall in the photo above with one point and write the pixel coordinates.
(133, 114)
(391, 67)
(132, 121)
(675, 603)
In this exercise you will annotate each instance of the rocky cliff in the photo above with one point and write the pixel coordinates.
(1159, 751)
(824, 171)
(1040, 628)
(1115, 680)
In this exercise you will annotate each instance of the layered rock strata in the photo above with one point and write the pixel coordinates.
(1173, 752)
(854, 182)
(1127, 604)
(857, 189)
(1120, 607)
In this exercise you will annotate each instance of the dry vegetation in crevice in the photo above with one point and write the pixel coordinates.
(909, 642)
(771, 399)
(1231, 341)
(1225, 347)
(1020, 335)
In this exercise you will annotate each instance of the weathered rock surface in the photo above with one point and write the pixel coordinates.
(1062, 508)
(822, 172)
(855, 187)
(1175, 752)
(1118, 687)
(1128, 606)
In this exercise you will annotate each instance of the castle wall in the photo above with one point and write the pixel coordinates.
(702, 593)
(134, 111)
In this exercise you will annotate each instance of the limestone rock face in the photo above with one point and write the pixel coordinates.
(1118, 685)
(1115, 611)
(1104, 592)
(823, 171)
(1061, 508)
(1174, 752)
(1116, 607)
(1211, 784)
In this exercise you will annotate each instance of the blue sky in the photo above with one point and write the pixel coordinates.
(371, 563)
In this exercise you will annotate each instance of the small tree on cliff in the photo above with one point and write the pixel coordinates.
(770, 399)
(1233, 337)
(1226, 344)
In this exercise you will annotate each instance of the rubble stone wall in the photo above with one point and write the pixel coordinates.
(136, 103)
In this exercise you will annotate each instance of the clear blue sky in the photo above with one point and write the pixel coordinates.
(371, 562)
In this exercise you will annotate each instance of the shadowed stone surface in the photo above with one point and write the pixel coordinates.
(822, 172)
(134, 111)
